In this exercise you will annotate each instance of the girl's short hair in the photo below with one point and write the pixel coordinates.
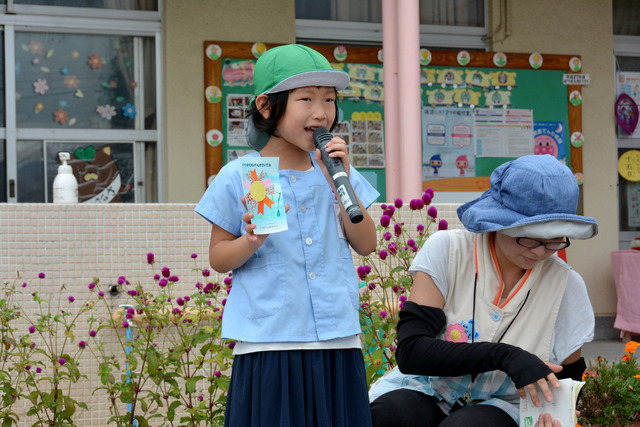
(278, 103)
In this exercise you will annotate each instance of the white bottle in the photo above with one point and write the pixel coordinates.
(65, 186)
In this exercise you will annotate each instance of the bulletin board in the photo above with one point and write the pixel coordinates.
(456, 82)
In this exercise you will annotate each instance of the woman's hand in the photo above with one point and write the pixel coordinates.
(543, 385)
(546, 420)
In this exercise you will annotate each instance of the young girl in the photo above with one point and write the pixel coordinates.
(294, 304)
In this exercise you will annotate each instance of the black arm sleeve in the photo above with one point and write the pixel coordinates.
(573, 370)
(421, 353)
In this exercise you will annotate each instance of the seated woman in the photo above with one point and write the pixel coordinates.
(493, 311)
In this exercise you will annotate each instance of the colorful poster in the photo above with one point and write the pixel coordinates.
(447, 137)
(503, 132)
(549, 139)
(263, 193)
(629, 83)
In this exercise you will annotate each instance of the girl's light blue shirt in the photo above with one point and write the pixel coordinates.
(301, 284)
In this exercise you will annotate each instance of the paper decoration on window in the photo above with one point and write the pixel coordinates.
(95, 61)
(39, 107)
(40, 86)
(340, 53)
(629, 165)
(106, 111)
(129, 110)
(35, 47)
(60, 116)
(535, 60)
(71, 82)
(626, 113)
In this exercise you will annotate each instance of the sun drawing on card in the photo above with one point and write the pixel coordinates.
(260, 188)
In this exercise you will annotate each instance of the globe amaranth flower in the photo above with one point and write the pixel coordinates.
(174, 279)
(411, 242)
(228, 281)
(383, 254)
(82, 344)
(24, 285)
(426, 199)
(121, 280)
(385, 220)
(100, 294)
(429, 191)
(206, 272)
(393, 248)
(362, 272)
(163, 282)
(433, 212)
(133, 293)
(91, 286)
(194, 256)
(38, 369)
(41, 275)
(217, 374)
(387, 236)
(383, 314)
(32, 329)
(150, 258)
(397, 229)
(371, 286)
(389, 211)
(231, 345)
(443, 225)
(125, 324)
(398, 203)
(180, 301)
(28, 367)
(71, 298)
(166, 272)
(93, 333)
(62, 361)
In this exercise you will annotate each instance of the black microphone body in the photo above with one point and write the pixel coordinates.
(321, 137)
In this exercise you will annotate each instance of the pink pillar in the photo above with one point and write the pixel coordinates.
(390, 70)
(409, 114)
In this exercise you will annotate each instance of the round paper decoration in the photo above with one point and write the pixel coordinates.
(380, 55)
(463, 57)
(626, 113)
(575, 98)
(629, 165)
(213, 94)
(258, 49)
(214, 137)
(499, 59)
(214, 51)
(425, 56)
(577, 139)
(575, 64)
(579, 178)
(535, 60)
(340, 53)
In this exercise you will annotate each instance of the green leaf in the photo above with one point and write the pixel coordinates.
(191, 383)
(171, 412)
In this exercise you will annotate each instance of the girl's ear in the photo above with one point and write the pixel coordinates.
(263, 106)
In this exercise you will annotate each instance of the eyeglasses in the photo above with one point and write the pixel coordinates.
(533, 243)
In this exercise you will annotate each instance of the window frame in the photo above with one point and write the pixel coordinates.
(70, 20)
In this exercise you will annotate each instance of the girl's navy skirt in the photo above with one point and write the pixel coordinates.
(299, 388)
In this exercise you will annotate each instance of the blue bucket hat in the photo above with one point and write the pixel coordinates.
(532, 196)
(288, 67)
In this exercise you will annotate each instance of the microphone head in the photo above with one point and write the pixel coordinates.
(321, 136)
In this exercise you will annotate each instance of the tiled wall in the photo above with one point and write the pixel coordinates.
(73, 244)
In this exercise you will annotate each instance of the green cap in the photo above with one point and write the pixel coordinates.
(290, 67)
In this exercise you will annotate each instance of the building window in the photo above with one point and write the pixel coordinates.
(86, 83)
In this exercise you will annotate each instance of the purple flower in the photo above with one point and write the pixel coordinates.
(91, 286)
(362, 272)
(231, 344)
(41, 275)
(163, 282)
(390, 210)
(208, 288)
(62, 361)
(224, 301)
(200, 398)
(166, 272)
(194, 256)
(100, 294)
(228, 281)
(218, 374)
(383, 254)
(397, 229)
(180, 301)
(93, 333)
(206, 272)
(419, 204)
(420, 228)
(156, 277)
(387, 236)
(393, 248)
(121, 280)
(24, 285)
(82, 344)
(426, 198)
(385, 220)
(174, 279)
(125, 324)
(433, 212)
(150, 258)
(187, 298)
(398, 203)
(411, 242)
(443, 225)
(28, 367)
(38, 369)
(32, 329)
(133, 293)
(72, 298)
(383, 314)
(429, 191)
(402, 298)
(372, 286)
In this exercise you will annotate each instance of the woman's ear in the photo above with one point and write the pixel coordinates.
(263, 106)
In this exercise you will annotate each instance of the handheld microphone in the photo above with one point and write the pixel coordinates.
(321, 137)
